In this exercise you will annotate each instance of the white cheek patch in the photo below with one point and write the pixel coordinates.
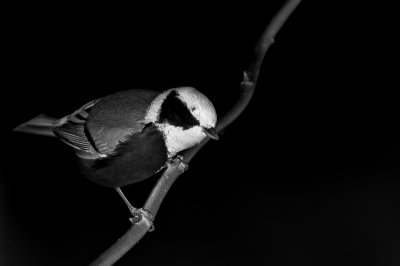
(199, 105)
(177, 139)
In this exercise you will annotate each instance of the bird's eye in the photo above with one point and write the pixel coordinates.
(193, 109)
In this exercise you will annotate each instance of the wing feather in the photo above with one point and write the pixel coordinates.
(115, 117)
(74, 133)
(96, 129)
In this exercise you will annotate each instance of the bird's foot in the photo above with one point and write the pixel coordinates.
(142, 214)
(179, 161)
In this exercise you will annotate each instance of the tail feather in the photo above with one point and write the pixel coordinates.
(40, 125)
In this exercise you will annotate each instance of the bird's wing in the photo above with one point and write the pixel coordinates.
(98, 127)
(115, 117)
(73, 132)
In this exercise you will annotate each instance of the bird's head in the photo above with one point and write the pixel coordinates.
(185, 116)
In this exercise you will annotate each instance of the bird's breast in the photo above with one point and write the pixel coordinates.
(137, 158)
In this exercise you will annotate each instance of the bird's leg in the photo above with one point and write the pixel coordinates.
(128, 204)
(138, 214)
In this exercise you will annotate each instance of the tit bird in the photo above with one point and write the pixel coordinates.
(128, 136)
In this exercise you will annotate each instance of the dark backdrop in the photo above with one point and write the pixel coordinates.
(308, 175)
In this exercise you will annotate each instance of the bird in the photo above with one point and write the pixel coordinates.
(130, 135)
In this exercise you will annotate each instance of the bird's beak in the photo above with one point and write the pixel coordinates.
(211, 133)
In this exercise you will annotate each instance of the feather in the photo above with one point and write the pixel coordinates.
(74, 133)
(115, 117)
(139, 157)
(40, 125)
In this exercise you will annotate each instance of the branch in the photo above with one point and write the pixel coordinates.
(177, 167)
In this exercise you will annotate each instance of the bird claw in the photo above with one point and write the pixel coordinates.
(179, 161)
(142, 214)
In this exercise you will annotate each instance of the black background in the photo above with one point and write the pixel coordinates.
(308, 175)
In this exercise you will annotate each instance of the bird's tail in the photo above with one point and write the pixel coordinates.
(40, 125)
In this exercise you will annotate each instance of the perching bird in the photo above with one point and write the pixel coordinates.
(128, 136)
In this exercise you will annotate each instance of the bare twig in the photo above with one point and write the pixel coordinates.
(176, 168)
